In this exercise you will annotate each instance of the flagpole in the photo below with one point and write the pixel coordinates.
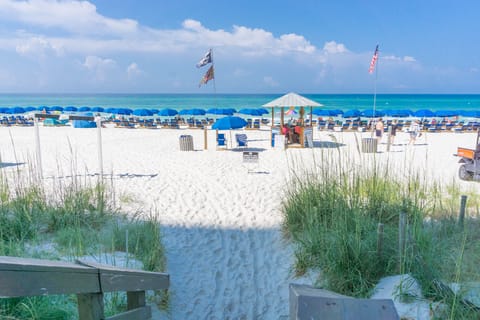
(375, 91)
(214, 84)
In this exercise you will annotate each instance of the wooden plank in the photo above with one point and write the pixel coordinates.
(307, 302)
(90, 306)
(120, 279)
(31, 283)
(143, 313)
(28, 264)
(345, 309)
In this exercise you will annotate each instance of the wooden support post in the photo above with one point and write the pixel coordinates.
(380, 239)
(39, 150)
(461, 216)
(135, 299)
(98, 121)
(90, 306)
(402, 227)
(205, 136)
(389, 140)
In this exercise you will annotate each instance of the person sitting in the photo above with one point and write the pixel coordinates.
(286, 133)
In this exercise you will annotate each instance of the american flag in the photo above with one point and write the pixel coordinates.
(374, 60)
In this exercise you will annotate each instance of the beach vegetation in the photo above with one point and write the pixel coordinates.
(332, 215)
(68, 218)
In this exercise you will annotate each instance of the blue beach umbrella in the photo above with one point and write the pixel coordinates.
(123, 111)
(370, 114)
(325, 112)
(3, 110)
(252, 112)
(84, 109)
(447, 113)
(30, 108)
(471, 113)
(424, 113)
(15, 110)
(193, 112)
(70, 109)
(97, 109)
(153, 111)
(399, 113)
(142, 112)
(220, 111)
(166, 112)
(111, 110)
(56, 108)
(228, 123)
(352, 113)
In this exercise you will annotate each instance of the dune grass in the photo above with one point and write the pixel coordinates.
(332, 215)
(78, 218)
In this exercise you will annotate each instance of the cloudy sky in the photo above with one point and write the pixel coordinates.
(309, 46)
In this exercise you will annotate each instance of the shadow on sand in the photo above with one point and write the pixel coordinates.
(10, 164)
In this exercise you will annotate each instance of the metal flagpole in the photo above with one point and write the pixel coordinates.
(375, 89)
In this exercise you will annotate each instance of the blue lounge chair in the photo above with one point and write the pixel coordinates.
(221, 141)
(241, 140)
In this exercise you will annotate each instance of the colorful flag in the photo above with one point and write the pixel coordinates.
(374, 60)
(208, 76)
(207, 58)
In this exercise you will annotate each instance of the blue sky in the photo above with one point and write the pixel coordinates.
(312, 46)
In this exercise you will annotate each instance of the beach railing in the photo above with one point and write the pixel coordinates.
(23, 277)
(307, 302)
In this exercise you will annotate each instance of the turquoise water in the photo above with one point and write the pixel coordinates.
(344, 102)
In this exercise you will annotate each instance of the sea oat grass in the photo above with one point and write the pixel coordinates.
(332, 217)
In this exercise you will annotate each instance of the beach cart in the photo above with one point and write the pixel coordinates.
(470, 161)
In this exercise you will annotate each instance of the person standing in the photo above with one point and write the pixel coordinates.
(414, 131)
(393, 131)
(379, 129)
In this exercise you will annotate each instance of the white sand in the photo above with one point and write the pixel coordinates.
(221, 224)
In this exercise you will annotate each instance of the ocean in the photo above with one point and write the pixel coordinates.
(344, 102)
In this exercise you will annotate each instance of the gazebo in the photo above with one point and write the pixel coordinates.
(293, 100)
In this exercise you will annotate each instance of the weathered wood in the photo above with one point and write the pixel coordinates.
(402, 227)
(118, 279)
(31, 283)
(135, 299)
(90, 306)
(32, 277)
(143, 313)
(310, 303)
(380, 239)
(463, 205)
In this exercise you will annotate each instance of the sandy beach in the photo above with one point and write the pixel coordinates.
(221, 218)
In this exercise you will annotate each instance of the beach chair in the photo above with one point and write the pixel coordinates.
(241, 139)
(221, 141)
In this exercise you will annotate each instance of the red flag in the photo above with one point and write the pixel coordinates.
(374, 60)
(209, 75)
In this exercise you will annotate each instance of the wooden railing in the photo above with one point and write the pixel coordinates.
(22, 277)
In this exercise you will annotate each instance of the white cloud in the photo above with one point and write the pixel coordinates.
(94, 63)
(332, 47)
(133, 70)
(38, 46)
(78, 17)
(99, 67)
(409, 59)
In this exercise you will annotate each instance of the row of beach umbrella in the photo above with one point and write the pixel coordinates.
(138, 112)
(351, 113)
